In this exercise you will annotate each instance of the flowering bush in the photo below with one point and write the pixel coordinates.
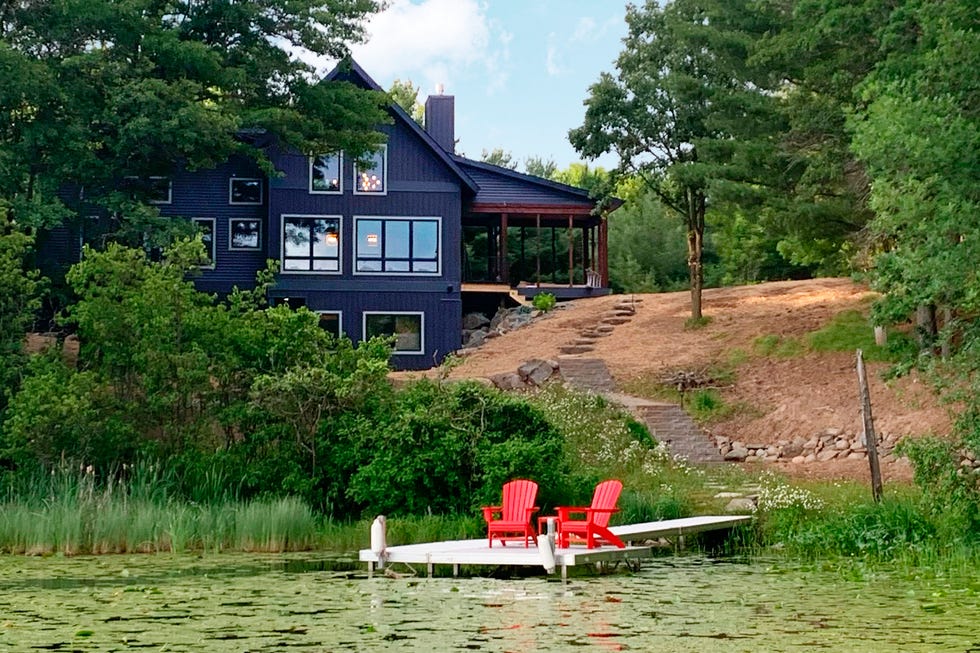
(775, 494)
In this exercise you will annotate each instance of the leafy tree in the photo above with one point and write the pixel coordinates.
(406, 95)
(97, 90)
(498, 157)
(919, 135)
(538, 167)
(667, 113)
(20, 299)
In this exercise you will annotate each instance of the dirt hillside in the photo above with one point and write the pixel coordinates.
(780, 398)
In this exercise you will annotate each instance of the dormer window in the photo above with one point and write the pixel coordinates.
(371, 178)
(325, 172)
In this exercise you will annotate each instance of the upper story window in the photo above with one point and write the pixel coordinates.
(244, 191)
(311, 243)
(159, 190)
(206, 228)
(372, 177)
(397, 245)
(325, 173)
(244, 234)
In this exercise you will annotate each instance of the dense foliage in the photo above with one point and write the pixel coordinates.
(98, 90)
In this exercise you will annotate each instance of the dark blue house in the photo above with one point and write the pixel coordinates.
(381, 249)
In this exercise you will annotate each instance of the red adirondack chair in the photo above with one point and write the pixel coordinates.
(591, 523)
(511, 520)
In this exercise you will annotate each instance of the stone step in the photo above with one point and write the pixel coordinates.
(669, 423)
(575, 349)
(615, 320)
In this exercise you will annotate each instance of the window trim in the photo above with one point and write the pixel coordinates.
(340, 175)
(231, 184)
(340, 320)
(231, 233)
(282, 243)
(397, 352)
(170, 190)
(384, 175)
(214, 241)
(399, 218)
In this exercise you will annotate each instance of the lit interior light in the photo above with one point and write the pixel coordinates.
(372, 240)
(331, 238)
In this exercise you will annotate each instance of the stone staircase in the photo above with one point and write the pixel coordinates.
(670, 424)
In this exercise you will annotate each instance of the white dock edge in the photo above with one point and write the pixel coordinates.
(476, 552)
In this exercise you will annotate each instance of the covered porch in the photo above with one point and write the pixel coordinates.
(561, 250)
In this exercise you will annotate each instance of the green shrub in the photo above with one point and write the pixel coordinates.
(544, 301)
(448, 448)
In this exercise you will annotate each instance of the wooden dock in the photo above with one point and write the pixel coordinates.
(477, 553)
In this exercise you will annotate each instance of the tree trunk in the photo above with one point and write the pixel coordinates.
(925, 328)
(695, 246)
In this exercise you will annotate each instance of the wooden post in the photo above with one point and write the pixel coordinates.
(504, 272)
(571, 252)
(870, 439)
(537, 254)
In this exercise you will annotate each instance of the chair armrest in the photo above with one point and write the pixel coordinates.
(565, 512)
(488, 512)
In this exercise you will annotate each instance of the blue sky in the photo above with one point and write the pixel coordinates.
(519, 69)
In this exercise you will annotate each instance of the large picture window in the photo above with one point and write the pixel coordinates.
(310, 243)
(206, 227)
(407, 328)
(371, 177)
(244, 191)
(397, 245)
(325, 173)
(244, 234)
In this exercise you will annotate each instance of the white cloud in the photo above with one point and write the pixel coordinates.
(584, 30)
(552, 59)
(433, 41)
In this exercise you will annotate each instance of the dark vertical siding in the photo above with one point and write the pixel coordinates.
(204, 194)
(419, 184)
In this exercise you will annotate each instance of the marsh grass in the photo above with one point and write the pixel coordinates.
(72, 512)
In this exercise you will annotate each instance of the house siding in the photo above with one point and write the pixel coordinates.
(204, 194)
(418, 185)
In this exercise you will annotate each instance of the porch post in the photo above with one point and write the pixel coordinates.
(571, 253)
(604, 250)
(504, 264)
(537, 254)
(523, 259)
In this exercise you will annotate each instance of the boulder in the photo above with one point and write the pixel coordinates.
(536, 372)
(508, 381)
(473, 321)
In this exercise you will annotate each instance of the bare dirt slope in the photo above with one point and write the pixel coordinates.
(780, 398)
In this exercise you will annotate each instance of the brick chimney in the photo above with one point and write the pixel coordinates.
(440, 119)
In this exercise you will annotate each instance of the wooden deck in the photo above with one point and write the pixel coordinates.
(477, 553)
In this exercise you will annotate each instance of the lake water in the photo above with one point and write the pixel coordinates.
(234, 602)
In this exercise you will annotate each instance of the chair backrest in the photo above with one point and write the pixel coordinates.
(605, 496)
(519, 495)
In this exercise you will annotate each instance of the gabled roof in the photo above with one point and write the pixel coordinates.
(503, 189)
(349, 70)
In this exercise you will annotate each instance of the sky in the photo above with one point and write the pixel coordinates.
(519, 69)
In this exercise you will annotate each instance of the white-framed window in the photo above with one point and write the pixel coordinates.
(160, 190)
(244, 191)
(407, 327)
(244, 234)
(326, 173)
(311, 244)
(372, 177)
(332, 322)
(206, 227)
(395, 245)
